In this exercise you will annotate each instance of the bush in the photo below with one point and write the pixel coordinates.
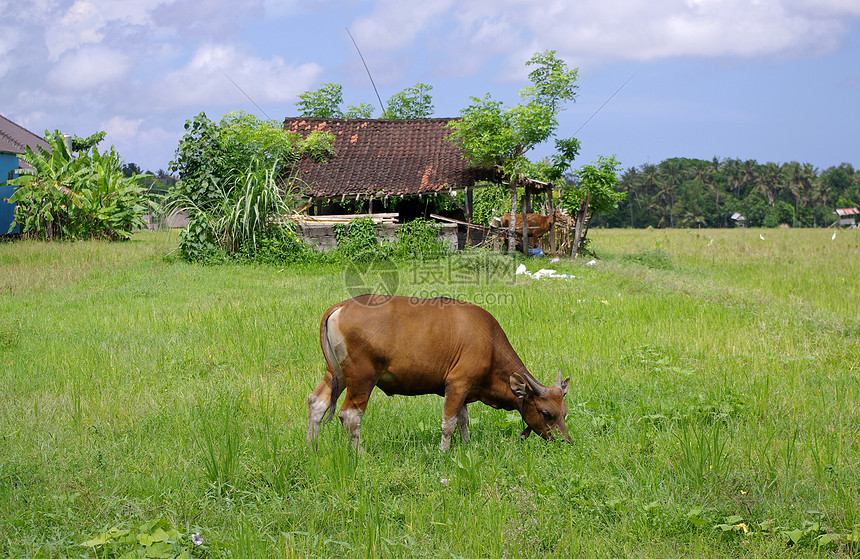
(358, 242)
(83, 197)
(277, 246)
(236, 187)
(419, 239)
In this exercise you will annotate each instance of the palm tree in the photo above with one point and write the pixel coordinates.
(770, 182)
(714, 184)
(799, 180)
(631, 180)
(673, 175)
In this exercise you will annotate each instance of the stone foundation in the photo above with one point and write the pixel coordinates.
(321, 236)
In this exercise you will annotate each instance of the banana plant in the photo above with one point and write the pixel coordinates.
(63, 196)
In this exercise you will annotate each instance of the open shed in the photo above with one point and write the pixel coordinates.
(377, 159)
(847, 217)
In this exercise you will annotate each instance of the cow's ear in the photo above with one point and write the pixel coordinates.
(518, 385)
(564, 386)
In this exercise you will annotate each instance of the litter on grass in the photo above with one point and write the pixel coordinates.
(542, 273)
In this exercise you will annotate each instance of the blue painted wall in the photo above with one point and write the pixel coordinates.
(8, 163)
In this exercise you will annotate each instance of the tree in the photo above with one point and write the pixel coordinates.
(770, 182)
(412, 102)
(322, 103)
(83, 145)
(592, 191)
(362, 110)
(131, 169)
(495, 136)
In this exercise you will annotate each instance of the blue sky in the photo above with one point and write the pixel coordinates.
(772, 80)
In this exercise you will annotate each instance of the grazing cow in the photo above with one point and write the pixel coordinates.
(538, 224)
(438, 346)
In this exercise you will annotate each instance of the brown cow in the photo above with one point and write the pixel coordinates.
(427, 346)
(538, 224)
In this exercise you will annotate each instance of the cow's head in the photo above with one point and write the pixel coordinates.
(543, 407)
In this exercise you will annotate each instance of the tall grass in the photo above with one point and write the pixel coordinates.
(708, 383)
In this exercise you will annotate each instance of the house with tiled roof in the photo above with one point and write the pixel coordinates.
(378, 158)
(14, 140)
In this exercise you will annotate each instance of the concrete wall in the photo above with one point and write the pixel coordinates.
(321, 236)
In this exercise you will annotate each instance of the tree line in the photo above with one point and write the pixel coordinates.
(680, 192)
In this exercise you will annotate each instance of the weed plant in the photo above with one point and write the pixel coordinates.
(713, 405)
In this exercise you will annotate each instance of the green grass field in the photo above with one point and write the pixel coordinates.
(715, 385)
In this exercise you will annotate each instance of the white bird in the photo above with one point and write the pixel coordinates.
(760, 236)
(833, 238)
(591, 262)
(710, 242)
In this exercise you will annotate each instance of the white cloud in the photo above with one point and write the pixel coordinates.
(121, 127)
(395, 24)
(88, 68)
(10, 38)
(203, 79)
(600, 31)
(93, 21)
(284, 8)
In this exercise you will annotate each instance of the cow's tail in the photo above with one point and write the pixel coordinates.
(332, 364)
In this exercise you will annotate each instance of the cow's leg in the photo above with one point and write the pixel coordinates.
(319, 402)
(455, 403)
(357, 396)
(463, 423)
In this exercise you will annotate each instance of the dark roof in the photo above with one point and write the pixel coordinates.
(15, 138)
(385, 157)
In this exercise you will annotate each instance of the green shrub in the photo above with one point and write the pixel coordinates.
(276, 246)
(656, 258)
(83, 197)
(419, 239)
(358, 242)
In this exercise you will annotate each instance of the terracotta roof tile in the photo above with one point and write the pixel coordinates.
(385, 157)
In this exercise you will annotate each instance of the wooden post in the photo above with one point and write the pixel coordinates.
(512, 226)
(470, 204)
(526, 204)
(470, 208)
(551, 211)
(581, 216)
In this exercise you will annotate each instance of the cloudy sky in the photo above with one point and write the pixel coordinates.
(772, 80)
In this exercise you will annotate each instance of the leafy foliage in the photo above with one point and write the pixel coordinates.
(236, 185)
(83, 197)
(156, 538)
(322, 103)
(358, 242)
(412, 102)
(325, 102)
(696, 193)
(492, 135)
(419, 239)
(592, 191)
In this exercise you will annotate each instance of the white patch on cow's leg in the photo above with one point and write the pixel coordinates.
(316, 410)
(463, 424)
(351, 419)
(448, 424)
